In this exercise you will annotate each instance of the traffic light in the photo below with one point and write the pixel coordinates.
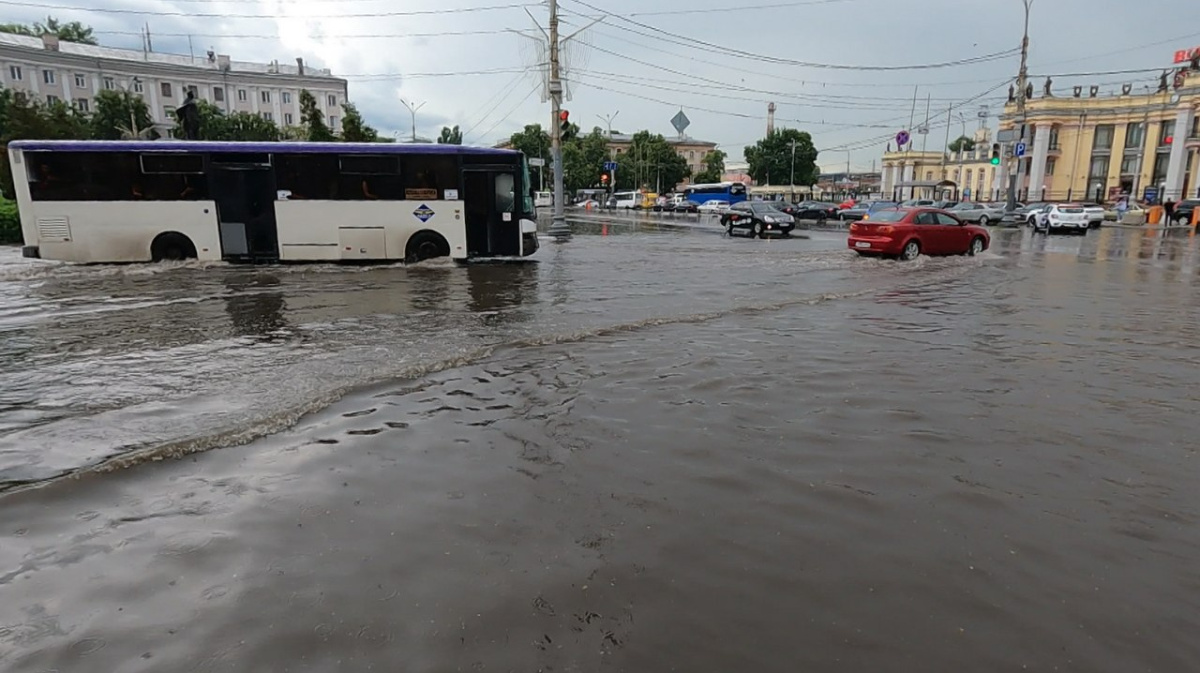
(604, 179)
(564, 126)
(1168, 140)
(995, 154)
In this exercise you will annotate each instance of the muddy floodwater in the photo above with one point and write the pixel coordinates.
(648, 449)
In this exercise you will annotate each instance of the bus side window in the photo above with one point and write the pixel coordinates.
(505, 196)
(370, 177)
(437, 172)
(307, 176)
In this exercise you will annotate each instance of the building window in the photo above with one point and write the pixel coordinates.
(1129, 164)
(48, 76)
(928, 175)
(287, 118)
(286, 97)
(1104, 137)
(109, 84)
(166, 89)
(218, 94)
(332, 122)
(1166, 130)
(968, 180)
(1050, 165)
(264, 96)
(242, 95)
(14, 72)
(81, 104)
(191, 88)
(1054, 138)
(51, 99)
(332, 99)
(1161, 160)
(80, 81)
(168, 112)
(137, 85)
(1135, 134)
(1098, 175)
(268, 116)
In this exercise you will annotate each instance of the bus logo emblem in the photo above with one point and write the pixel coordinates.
(424, 213)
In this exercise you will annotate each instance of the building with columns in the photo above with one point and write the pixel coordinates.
(52, 70)
(1085, 145)
(1081, 144)
(958, 176)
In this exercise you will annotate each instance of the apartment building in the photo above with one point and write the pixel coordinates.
(49, 69)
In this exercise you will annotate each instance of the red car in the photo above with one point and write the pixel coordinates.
(909, 232)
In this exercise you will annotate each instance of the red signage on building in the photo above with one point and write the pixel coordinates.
(1185, 55)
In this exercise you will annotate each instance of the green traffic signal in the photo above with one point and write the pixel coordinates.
(995, 161)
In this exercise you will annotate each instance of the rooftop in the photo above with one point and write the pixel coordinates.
(626, 138)
(201, 61)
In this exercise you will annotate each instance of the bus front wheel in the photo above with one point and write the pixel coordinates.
(426, 245)
(172, 246)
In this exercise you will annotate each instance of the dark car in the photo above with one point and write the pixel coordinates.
(757, 219)
(862, 210)
(1184, 210)
(811, 210)
(684, 206)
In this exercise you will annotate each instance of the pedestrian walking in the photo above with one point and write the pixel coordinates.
(1169, 207)
(1122, 208)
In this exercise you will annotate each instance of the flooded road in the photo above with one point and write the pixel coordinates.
(643, 451)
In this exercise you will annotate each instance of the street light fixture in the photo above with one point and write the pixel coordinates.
(413, 110)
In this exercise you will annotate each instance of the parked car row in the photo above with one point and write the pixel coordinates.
(1057, 217)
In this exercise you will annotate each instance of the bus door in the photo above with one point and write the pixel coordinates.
(490, 198)
(245, 195)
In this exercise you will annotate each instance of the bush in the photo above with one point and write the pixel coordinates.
(10, 222)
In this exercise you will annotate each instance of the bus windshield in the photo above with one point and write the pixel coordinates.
(527, 201)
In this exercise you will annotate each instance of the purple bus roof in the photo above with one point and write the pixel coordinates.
(283, 147)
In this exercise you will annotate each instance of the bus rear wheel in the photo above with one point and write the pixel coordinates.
(425, 245)
(172, 246)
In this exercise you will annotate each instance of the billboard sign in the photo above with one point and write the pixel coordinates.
(1185, 55)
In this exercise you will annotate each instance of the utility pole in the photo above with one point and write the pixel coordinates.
(612, 175)
(558, 223)
(1022, 82)
(792, 180)
(413, 111)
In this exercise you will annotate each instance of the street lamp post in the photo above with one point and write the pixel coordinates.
(608, 120)
(413, 111)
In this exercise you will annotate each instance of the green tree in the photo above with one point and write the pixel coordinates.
(67, 32)
(312, 119)
(121, 115)
(962, 144)
(238, 126)
(450, 136)
(651, 162)
(714, 167)
(354, 129)
(535, 143)
(583, 160)
(771, 159)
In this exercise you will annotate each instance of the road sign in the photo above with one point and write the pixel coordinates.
(1006, 136)
(1151, 194)
(537, 162)
(680, 122)
(902, 138)
(610, 165)
(1019, 150)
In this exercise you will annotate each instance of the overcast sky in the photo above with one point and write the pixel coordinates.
(388, 50)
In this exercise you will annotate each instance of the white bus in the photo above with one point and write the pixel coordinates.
(628, 199)
(139, 201)
(543, 199)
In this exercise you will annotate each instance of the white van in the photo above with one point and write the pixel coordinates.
(543, 199)
(628, 199)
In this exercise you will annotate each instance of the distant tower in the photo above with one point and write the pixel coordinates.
(770, 118)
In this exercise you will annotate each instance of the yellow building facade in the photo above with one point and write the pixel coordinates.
(1080, 145)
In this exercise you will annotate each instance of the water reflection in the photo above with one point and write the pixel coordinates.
(256, 306)
(496, 287)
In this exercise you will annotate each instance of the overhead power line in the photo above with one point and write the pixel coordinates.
(225, 15)
(708, 47)
(741, 8)
(276, 36)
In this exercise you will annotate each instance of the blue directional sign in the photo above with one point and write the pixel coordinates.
(610, 165)
(1019, 150)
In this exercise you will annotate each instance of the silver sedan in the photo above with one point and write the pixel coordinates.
(979, 213)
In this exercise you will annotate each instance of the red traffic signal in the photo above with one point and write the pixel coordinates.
(564, 115)
(604, 178)
(1168, 140)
